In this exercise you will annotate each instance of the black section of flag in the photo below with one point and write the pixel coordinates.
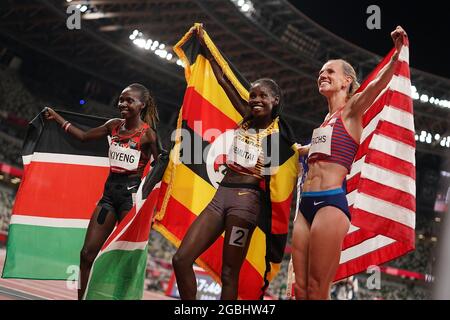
(191, 152)
(48, 136)
(192, 49)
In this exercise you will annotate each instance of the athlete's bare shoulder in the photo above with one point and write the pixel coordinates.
(111, 123)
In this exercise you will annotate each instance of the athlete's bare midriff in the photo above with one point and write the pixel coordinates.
(323, 176)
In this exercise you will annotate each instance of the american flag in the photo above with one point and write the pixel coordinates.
(381, 187)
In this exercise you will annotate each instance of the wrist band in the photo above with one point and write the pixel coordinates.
(66, 126)
(64, 123)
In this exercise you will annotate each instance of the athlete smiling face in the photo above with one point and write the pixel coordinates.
(130, 103)
(261, 101)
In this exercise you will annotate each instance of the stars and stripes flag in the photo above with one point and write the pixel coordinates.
(381, 186)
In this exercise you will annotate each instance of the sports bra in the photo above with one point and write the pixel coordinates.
(125, 154)
(331, 142)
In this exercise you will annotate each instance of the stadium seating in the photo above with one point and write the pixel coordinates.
(6, 203)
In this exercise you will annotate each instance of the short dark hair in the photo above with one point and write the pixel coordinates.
(276, 91)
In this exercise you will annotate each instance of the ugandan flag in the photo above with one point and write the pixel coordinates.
(63, 180)
(191, 179)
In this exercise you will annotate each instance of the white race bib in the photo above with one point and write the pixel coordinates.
(243, 154)
(124, 158)
(321, 141)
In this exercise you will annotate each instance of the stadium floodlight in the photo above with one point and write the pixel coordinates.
(139, 42)
(68, 0)
(245, 7)
(427, 137)
(156, 46)
(425, 99)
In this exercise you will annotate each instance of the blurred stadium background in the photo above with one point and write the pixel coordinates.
(43, 63)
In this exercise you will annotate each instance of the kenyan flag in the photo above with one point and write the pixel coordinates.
(119, 270)
(62, 182)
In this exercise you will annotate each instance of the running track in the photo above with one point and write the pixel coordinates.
(18, 289)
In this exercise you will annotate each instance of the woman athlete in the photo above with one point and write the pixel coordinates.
(237, 203)
(324, 217)
(133, 143)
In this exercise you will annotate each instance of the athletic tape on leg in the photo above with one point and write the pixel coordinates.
(238, 236)
(133, 197)
(102, 216)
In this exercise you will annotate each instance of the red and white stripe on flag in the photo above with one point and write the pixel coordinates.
(381, 185)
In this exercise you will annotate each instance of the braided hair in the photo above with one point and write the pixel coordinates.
(149, 113)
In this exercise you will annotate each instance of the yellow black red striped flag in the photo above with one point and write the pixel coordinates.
(190, 180)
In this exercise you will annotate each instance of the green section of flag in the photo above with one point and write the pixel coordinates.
(43, 253)
(128, 266)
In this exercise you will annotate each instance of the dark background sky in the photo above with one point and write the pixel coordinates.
(426, 22)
